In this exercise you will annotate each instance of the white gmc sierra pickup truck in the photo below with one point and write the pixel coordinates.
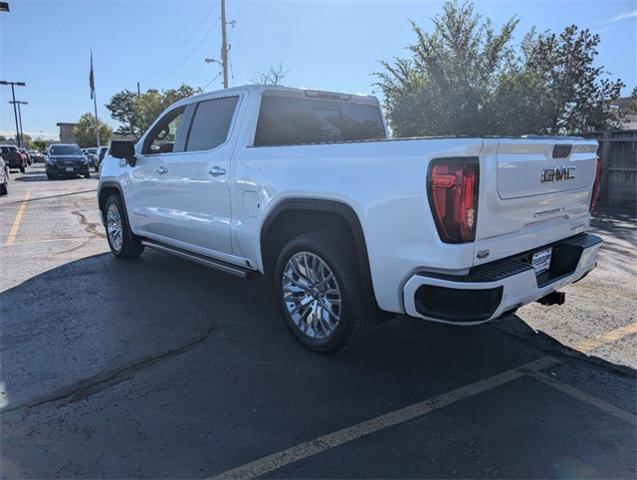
(307, 187)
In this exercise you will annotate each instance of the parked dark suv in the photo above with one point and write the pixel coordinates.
(66, 160)
(13, 158)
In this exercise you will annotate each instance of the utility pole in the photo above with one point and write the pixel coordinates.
(18, 103)
(15, 112)
(138, 90)
(224, 44)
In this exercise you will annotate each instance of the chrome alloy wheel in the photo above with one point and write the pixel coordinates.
(114, 226)
(312, 296)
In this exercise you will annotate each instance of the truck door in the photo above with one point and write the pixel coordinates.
(199, 178)
(148, 196)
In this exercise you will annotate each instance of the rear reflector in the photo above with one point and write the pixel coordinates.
(452, 188)
(596, 185)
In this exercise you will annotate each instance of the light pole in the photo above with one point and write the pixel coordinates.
(15, 112)
(18, 103)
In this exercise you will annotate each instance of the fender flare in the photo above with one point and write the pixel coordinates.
(112, 184)
(332, 206)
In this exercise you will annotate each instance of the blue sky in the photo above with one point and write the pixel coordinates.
(325, 44)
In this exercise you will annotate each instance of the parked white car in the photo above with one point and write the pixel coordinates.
(306, 186)
(4, 177)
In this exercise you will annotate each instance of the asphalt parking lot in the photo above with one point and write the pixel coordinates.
(163, 368)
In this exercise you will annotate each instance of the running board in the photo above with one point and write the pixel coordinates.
(202, 259)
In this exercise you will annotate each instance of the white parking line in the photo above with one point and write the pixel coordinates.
(307, 449)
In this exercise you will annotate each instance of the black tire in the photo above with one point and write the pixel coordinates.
(50, 176)
(22, 168)
(87, 174)
(131, 245)
(4, 188)
(355, 312)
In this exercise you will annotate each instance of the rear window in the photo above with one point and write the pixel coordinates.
(289, 121)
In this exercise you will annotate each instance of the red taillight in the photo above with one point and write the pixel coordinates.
(452, 187)
(596, 185)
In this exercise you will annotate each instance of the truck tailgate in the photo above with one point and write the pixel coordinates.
(533, 191)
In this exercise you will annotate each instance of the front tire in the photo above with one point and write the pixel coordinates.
(87, 174)
(123, 243)
(4, 188)
(320, 292)
(23, 168)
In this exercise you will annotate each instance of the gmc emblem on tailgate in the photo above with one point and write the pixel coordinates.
(557, 174)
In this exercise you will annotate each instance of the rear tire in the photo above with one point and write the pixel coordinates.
(87, 174)
(22, 168)
(123, 243)
(4, 187)
(326, 316)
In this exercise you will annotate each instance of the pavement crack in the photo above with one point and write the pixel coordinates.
(107, 378)
(89, 227)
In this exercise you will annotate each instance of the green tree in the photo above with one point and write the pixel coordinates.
(565, 86)
(137, 112)
(84, 131)
(449, 85)
(41, 145)
(465, 78)
(26, 140)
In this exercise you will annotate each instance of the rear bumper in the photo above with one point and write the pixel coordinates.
(493, 289)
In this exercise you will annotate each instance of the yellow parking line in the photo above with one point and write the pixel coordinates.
(18, 218)
(275, 461)
(591, 344)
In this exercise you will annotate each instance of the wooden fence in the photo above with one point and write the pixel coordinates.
(618, 152)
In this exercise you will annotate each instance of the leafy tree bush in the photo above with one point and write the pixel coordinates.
(84, 131)
(137, 112)
(466, 78)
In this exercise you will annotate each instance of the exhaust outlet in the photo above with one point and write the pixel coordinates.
(553, 298)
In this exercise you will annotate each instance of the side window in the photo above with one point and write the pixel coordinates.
(211, 123)
(161, 138)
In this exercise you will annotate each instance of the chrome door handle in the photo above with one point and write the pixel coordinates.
(216, 171)
(161, 170)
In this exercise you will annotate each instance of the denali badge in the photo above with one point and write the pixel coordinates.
(557, 174)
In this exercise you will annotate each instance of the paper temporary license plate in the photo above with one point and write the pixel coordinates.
(69, 169)
(541, 260)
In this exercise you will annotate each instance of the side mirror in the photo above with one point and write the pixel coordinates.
(124, 149)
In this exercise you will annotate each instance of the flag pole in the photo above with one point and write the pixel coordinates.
(94, 97)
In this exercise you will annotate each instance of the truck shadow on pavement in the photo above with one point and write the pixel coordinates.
(158, 367)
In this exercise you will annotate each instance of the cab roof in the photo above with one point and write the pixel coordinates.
(285, 91)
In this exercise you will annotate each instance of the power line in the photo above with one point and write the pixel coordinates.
(182, 46)
(189, 54)
(210, 82)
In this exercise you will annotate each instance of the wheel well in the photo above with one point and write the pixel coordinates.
(106, 192)
(296, 217)
(294, 222)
